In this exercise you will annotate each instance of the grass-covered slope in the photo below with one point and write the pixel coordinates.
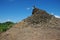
(5, 26)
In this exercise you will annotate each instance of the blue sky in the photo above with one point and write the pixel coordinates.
(17, 10)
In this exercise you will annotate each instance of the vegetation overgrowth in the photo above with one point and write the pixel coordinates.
(5, 26)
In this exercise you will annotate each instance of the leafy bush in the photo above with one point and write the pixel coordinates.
(5, 26)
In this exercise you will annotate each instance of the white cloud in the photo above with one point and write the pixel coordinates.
(1, 21)
(28, 8)
(8, 20)
(57, 16)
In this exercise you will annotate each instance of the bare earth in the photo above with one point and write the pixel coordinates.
(22, 31)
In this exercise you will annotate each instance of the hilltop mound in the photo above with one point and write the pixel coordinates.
(39, 26)
(39, 16)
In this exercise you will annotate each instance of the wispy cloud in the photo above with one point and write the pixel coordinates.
(8, 20)
(57, 16)
(1, 21)
(28, 8)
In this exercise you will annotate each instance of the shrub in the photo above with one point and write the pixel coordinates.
(5, 26)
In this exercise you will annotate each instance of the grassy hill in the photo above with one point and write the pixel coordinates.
(5, 26)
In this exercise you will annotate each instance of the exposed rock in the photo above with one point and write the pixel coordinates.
(39, 16)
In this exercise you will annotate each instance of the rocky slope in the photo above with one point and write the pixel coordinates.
(39, 26)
